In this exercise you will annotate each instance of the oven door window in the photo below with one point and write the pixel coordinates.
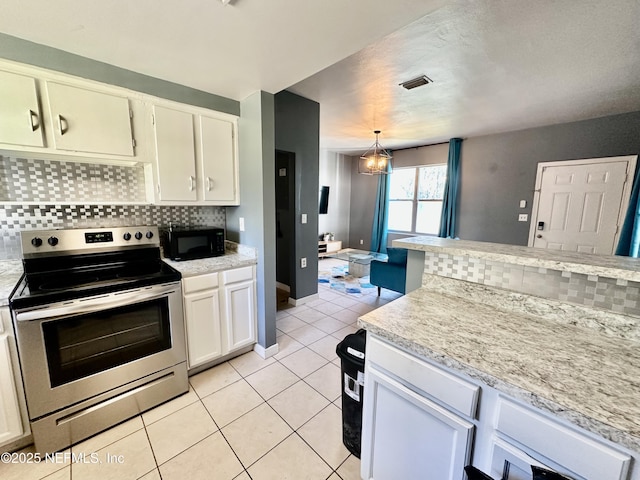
(83, 345)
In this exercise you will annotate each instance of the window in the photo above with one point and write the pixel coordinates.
(415, 199)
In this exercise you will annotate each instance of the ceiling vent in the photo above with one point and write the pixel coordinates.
(416, 82)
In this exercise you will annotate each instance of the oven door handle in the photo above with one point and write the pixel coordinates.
(95, 304)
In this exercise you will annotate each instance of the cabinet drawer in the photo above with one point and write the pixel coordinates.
(561, 444)
(237, 275)
(443, 386)
(200, 282)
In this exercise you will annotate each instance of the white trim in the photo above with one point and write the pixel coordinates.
(266, 352)
(282, 286)
(301, 301)
(626, 192)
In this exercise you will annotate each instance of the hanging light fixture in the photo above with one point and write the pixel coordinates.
(376, 160)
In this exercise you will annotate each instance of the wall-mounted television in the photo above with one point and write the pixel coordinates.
(324, 199)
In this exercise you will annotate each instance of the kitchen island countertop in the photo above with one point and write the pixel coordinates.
(612, 266)
(586, 378)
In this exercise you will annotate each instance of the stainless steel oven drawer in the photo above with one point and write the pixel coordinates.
(74, 424)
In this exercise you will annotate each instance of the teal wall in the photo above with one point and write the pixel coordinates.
(23, 51)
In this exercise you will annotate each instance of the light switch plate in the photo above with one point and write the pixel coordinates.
(242, 224)
(304, 218)
(523, 204)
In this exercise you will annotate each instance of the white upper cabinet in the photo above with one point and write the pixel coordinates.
(175, 155)
(89, 121)
(195, 160)
(218, 168)
(20, 116)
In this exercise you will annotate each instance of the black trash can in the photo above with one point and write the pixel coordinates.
(351, 351)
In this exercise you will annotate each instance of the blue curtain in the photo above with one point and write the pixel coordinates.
(381, 215)
(629, 242)
(449, 213)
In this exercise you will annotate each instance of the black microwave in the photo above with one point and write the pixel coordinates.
(192, 243)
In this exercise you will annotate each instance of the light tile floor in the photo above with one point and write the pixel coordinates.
(247, 418)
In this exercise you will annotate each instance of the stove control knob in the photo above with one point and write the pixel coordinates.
(36, 241)
(53, 241)
(149, 235)
(127, 236)
(138, 235)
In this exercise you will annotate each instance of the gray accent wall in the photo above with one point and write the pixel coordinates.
(497, 171)
(24, 51)
(257, 204)
(363, 198)
(335, 173)
(297, 130)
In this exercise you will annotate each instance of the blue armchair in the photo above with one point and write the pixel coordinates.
(401, 273)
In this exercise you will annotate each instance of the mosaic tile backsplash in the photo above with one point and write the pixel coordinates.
(617, 295)
(25, 180)
(13, 219)
(57, 194)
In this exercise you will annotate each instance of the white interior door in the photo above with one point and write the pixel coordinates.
(580, 204)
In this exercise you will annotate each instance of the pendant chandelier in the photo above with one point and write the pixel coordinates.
(376, 160)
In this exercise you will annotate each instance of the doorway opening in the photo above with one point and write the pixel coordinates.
(285, 163)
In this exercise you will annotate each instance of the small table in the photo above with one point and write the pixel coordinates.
(359, 260)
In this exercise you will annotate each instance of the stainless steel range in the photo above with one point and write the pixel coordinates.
(100, 330)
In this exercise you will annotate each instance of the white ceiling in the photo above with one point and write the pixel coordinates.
(497, 65)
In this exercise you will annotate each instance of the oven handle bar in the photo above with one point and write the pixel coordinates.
(96, 304)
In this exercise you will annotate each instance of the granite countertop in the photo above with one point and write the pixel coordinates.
(590, 380)
(190, 268)
(602, 265)
(10, 273)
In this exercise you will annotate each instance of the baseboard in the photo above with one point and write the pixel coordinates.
(301, 301)
(282, 286)
(266, 352)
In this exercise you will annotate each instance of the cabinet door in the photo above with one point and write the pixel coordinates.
(510, 463)
(202, 322)
(87, 121)
(218, 175)
(240, 312)
(20, 119)
(408, 436)
(10, 420)
(175, 155)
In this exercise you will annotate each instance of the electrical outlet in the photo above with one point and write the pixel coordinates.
(361, 242)
(303, 262)
(242, 224)
(523, 217)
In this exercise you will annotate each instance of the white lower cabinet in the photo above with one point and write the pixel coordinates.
(239, 307)
(11, 422)
(550, 443)
(421, 420)
(406, 435)
(220, 314)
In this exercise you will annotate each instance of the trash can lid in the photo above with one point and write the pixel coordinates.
(353, 346)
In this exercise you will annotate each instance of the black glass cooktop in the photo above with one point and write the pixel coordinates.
(58, 279)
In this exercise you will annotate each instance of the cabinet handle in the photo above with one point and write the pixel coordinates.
(62, 128)
(191, 183)
(209, 183)
(33, 116)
